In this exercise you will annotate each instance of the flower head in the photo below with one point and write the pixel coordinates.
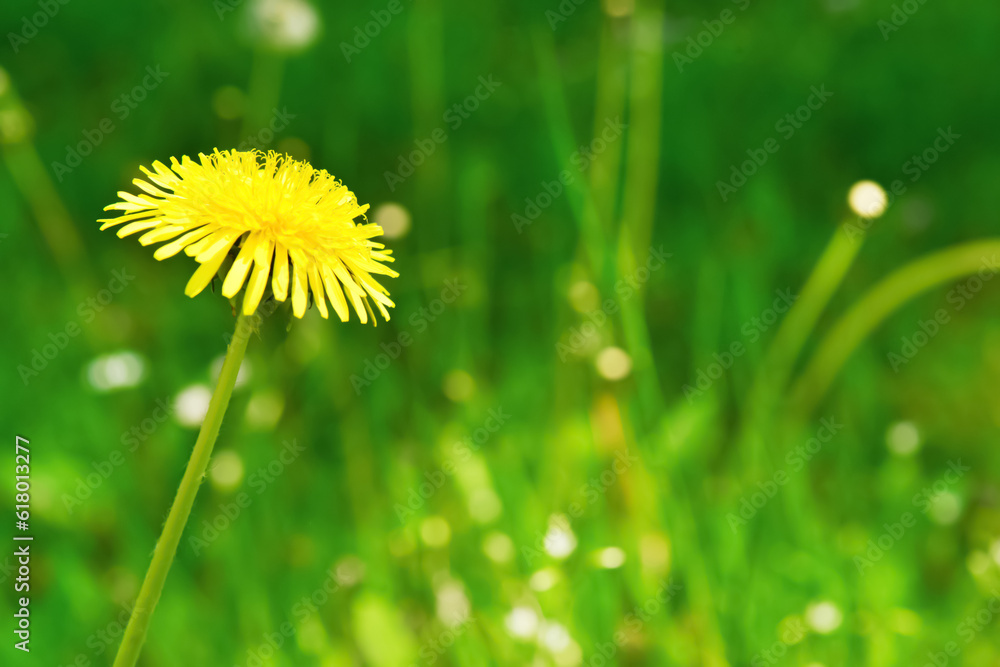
(867, 199)
(279, 217)
(286, 25)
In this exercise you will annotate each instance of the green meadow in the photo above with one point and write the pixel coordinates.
(653, 392)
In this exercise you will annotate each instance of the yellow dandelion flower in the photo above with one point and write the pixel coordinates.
(287, 221)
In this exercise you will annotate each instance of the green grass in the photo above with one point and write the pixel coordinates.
(352, 501)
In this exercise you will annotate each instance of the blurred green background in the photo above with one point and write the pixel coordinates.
(546, 457)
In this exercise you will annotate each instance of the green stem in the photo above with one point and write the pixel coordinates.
(883, 299)
(166, 547)
(760, 442)
(578, 192)
(788, 342)
(639, 194)
(264, 90)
